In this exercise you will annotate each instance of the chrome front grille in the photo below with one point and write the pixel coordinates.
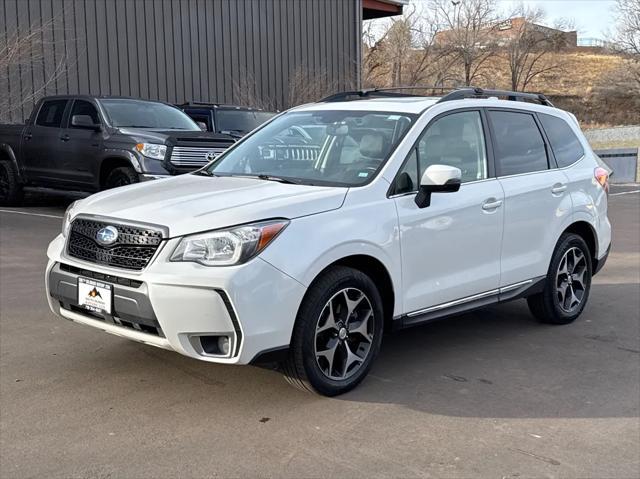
(133, 249)
(194, 156)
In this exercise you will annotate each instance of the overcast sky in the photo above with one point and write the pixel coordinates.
(592, 18)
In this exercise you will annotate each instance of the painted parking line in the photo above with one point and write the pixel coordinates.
(625, 193)
(30, 214)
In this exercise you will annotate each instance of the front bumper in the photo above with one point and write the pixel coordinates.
(173, 305)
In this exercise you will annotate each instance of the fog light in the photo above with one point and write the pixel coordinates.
(223, 345)
(214, 345)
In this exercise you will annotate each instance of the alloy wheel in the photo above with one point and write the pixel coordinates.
(344, 334)
(570, 280)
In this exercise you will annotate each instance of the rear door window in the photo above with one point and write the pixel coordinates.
(564, 142)
(51, 113)
(519, 146)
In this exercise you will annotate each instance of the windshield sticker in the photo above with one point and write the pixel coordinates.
(363, 174)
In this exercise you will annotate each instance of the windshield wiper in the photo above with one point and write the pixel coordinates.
(278, 179)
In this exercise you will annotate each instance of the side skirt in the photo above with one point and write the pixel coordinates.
(464, 305)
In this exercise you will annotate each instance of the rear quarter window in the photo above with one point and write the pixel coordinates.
(564, 142)
(518, 143)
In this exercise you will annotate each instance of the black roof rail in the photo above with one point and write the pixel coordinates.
(380, 92)
(472, 92)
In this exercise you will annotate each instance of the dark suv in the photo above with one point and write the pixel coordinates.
(232, 120)
(88, 143)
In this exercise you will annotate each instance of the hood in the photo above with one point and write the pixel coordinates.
(173, 137)
(190, 203)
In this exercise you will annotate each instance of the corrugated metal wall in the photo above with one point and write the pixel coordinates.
(178, 50)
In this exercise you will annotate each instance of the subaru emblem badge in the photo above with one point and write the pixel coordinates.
(107, 235)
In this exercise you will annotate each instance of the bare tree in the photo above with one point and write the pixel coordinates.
(627, 36)
(20, 53)
(374, 64)
(467, 33)
(528, 46)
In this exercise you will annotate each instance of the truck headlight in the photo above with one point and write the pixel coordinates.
(66, 219)
(229, 246)
(152, 150)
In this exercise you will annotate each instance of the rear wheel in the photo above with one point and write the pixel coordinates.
(337, 334)
(11, 193)
(121, 176)
(567, 285)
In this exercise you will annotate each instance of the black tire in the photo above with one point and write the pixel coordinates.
(302, 369)
(121, 176)
(547, 306)
(11, 193)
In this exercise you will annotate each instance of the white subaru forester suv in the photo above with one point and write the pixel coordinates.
(337, 221)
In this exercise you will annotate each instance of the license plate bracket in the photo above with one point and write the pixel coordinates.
(95, 296)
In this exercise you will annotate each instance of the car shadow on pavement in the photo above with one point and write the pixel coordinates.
(500, 362)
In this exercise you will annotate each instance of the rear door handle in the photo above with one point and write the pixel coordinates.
(491, 204)
(28, 136)
(558, 188)
(65, 137)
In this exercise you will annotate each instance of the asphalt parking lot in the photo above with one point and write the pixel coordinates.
(487, 394)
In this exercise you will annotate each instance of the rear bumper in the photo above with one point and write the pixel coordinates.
(173, 305)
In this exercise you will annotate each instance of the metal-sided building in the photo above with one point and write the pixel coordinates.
(224, 51)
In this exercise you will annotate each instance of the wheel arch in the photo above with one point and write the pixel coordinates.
(7, 154)
(109, 163)
(587, 232)
(379, 274)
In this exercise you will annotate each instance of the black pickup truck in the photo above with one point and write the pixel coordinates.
(88, 143)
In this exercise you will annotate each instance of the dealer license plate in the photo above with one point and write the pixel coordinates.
(95, 295)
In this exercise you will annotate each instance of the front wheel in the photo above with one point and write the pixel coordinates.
(337, 334)
(567, 285)
(121, 176)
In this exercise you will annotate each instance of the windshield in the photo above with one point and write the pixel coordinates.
(146, 114)
(342, 148)
(240, 121)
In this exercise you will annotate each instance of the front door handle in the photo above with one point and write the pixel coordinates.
(491, 204)
(28, 136)
(65, 138)
(558, 188)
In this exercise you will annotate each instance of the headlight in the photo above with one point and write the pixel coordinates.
(230, 246)
(151, 150)
(66, 219)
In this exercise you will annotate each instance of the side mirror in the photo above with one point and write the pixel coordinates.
(437, 179)
(84, 121)
(202, 125)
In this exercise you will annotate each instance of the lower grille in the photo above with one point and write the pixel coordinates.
(133, 248)
(194, 156)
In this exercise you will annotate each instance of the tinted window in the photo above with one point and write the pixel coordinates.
(51, 113)
(519, 147)
(453, 140)
(240, 121)
(81, 107)
(566, 146)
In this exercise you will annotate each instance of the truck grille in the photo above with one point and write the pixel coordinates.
(194, 156)
(133, 249)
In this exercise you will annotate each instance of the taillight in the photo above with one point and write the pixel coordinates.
(602, 176)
